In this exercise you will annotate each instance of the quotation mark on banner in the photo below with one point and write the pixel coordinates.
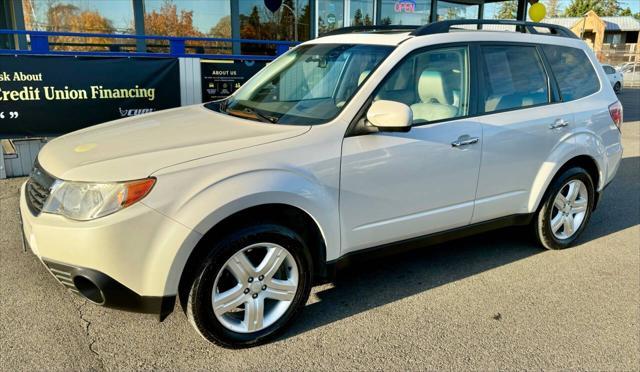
(11, 115)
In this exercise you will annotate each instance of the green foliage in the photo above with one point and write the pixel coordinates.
(604, 8)
(508, 10)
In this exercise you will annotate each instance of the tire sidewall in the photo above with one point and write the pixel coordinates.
(200, 305)
(543, 220)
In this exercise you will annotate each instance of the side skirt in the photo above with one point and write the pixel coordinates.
(425, 241)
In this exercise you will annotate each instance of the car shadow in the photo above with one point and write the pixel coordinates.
(368, 285)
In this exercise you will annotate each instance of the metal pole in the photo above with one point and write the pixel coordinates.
(295, 21)
(235, 26)
(18, 21)
(138, 19)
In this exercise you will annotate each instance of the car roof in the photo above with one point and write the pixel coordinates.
(461, 35)
(370, 38)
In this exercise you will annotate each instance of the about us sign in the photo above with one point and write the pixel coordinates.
(50, 95)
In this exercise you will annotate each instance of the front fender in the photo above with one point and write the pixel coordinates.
(209, 206)
(576, 144)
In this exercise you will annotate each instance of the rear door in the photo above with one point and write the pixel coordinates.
(522, 121)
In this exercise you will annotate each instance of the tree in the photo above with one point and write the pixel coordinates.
(604, 8)
(69, 18)
(508, 10)
(553, 8)
(168, 22)
(222, 28)
(357, 18)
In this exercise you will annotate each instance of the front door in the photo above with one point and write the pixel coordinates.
(396, 186)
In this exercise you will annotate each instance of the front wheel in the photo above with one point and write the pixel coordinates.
(566, 209)
(250, 286)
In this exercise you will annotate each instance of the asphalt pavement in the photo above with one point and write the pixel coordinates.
(493, 301)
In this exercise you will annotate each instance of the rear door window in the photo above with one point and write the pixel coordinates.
(514, 77)
(573, 71)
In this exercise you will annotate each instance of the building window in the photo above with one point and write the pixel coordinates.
(189, 18)
(115, 16)
(361, 12)
(330, 15)
(405, 12)
(289, 23)
(81, 16)
(451, 10)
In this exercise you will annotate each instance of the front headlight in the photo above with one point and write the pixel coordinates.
(86, 201)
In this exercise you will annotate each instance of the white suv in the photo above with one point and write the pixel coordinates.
(347, 143)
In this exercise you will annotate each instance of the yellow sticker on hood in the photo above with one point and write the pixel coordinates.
(85, 147)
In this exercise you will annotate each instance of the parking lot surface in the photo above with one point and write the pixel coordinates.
(493, 301)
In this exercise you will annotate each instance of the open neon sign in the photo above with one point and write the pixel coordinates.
(405, 6)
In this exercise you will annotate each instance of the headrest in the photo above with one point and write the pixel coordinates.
(363, 75)
(431, 87)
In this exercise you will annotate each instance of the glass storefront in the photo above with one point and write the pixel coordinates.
(451, 10)
(247, 19)
(330, 15)
(405, 12)
(115, 16)
(361, 12)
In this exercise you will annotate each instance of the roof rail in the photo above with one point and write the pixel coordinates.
(379, 28)
(444, 27)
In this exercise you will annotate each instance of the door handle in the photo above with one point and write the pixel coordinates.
(465, 141)
(560, 123)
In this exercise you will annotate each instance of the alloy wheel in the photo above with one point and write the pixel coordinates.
(569, 209)
(255, 287)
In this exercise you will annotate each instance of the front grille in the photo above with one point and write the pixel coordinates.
(62, 275)
(38, 188)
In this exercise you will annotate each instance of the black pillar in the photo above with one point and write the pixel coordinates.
(521, 14)
(433, 17)
(138, 21)
(235, 26)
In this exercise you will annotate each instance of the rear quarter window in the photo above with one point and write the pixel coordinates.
(573, 71)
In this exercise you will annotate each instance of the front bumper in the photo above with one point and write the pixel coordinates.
(103, 290)
(124, 261)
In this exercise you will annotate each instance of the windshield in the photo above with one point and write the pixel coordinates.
(308, 85)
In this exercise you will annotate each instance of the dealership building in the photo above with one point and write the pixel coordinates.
(292, 20)
(86, 62)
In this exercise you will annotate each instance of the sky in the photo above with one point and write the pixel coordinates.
(206, 13)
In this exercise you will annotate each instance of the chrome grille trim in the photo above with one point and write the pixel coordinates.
(63, 277)
(38, 188)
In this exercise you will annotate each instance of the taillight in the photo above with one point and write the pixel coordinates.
(615, 110)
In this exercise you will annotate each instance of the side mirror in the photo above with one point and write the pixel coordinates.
(390, 116)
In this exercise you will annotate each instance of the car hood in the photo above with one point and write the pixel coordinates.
(134, 148)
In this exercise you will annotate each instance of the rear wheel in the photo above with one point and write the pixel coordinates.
(250, 286)
(566, 209)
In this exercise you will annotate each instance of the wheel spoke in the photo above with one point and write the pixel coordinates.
(282, 290)
(240, 267)
(574, 189)
(228, 300)
(568, 225)
(272, 261)
(254, 314)
(579, 206)
(560, 201)
(557, 221)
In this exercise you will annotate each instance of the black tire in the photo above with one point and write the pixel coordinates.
(199, 306)
(542, 220)
(617, 88)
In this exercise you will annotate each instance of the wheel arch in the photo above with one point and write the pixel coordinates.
(585, 161)
(286, 214)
